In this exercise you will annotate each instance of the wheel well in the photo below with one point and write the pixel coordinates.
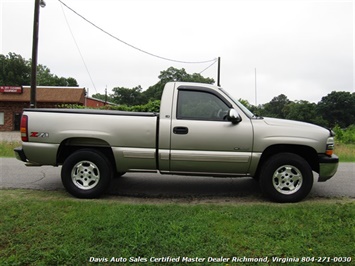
(71, 145)
(306, 152)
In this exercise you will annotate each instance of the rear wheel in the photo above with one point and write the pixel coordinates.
(86, 173)
(286, 177)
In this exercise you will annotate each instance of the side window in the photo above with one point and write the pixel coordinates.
(199, 105)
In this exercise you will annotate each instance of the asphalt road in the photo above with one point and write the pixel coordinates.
(14, 174)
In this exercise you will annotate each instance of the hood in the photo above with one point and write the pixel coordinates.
(271, 131)
(297, 125)
(284, 122)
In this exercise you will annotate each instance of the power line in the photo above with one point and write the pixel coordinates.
(77, 46)
(214, 62)
(134, 47)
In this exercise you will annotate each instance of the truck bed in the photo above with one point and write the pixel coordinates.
(91, 111)
(132, 136)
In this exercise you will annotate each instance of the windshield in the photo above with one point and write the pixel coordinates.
(241, 106)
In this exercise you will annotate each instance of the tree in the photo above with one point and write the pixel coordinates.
(46, 78)
(276, 107)
(16, 71)
(303, 111)
(103, 97)
(338, 108)
(173, 74)
(72, 82)
(247, 104)
(128, 96)
(154, 92)
(136, 96)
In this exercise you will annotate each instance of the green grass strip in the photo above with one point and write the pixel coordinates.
(50, 228)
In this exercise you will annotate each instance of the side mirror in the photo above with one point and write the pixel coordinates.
(233, 116)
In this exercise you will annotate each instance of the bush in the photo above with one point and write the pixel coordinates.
(152, 106)
(346, 136)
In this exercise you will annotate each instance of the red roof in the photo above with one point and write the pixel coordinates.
(45, 94)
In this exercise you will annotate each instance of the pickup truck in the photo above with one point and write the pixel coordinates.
(200, 130)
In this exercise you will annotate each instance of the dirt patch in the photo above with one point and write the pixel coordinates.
(217, 200)
(10, 136)
(188, 201)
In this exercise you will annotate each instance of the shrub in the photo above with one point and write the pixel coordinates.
(152, 106)
(346, 136)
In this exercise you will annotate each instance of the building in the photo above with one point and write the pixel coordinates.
(95, 103)
(14, 99)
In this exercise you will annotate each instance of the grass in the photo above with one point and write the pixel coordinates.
(7, 148)
(42, 228)
(346, 152)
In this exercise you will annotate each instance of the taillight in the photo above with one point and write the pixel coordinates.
(24, 128)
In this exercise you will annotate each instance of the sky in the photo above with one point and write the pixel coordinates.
(301, 48)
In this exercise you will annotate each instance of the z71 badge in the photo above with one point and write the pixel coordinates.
(39, 135)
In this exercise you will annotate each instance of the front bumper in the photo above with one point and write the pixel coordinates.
(20, 154)
(327, 167)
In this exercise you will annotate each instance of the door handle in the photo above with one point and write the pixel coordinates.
(180, 130)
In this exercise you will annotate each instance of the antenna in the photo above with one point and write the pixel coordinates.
(219, 72)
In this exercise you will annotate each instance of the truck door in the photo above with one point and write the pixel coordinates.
(202, 140)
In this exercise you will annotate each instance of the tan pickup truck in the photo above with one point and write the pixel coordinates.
(200, 130)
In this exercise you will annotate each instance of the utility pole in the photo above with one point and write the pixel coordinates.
(33, 103)
(219, 72)
(256, 102)
(106, 95)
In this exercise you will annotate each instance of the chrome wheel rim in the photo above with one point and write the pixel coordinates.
(287, 179)
(85, 175)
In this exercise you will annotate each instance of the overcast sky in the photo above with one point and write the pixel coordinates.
(303, 49)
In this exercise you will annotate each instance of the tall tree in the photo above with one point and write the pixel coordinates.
(46, 78)
(128, 96)
(136, 96)
(338, 108)
(173, 74)
(276, 107)
(303, 111)
(16, 71)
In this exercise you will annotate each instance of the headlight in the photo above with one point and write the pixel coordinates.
(330, 146)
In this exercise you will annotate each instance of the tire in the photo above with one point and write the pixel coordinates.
(86, 173)
(286, 177)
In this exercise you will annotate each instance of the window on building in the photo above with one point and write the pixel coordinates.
(2, 119)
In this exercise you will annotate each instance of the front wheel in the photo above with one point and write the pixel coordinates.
(86, 173)
(286, 177)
